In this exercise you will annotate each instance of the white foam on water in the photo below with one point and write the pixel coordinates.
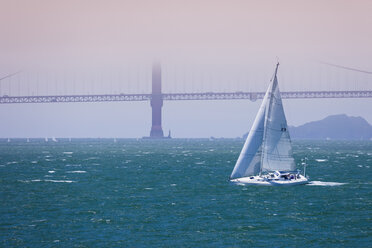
(76, 172)
(74, 165)
(24, 181)
(321, 160)
(241, 184)
(320, 183)
(59, 181)
(51, 171)
(68, 152)
(90, 158)
(33, 162)
(48, 180)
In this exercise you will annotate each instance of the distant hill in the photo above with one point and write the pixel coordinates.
(334, 127)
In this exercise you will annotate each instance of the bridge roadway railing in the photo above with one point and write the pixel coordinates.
(182, 96)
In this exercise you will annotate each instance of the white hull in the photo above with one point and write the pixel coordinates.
(263, 180)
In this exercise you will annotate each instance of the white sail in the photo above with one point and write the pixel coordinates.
(277, 148)
(268, 146)
(249, 161)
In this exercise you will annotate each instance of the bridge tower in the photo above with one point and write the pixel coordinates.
(156, 102)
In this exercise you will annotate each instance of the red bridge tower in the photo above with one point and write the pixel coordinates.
(156, 102)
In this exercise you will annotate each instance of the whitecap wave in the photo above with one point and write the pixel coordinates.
(320, 183)
(59, 181)
(76, 172)
(73, 165)
(68, 152)
(47, 180)
(321, 160)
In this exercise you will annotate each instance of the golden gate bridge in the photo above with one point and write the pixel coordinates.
(157, 96)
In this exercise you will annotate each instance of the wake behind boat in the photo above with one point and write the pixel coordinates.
(266, 157)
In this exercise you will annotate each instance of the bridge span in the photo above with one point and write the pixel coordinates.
(252, 96)
(157, 97)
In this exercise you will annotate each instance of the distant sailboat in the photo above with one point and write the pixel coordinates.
(54, 139)
(28, 140)
(8, 140)
(266, 157)
(46, 139)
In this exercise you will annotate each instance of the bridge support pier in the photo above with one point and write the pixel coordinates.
(156, 103)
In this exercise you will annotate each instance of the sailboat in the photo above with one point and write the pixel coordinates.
(266, 157)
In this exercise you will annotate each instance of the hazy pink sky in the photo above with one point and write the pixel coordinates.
(235, 30)
(223, 33)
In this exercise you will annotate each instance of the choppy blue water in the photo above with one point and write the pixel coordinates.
(175, 193)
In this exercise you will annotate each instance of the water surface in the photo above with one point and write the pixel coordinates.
(175, 193)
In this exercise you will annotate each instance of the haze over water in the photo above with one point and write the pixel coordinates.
(145, 193)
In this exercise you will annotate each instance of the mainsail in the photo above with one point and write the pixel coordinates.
(276, 148)
(268, 145)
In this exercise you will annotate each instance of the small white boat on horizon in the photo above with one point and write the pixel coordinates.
(266, 157)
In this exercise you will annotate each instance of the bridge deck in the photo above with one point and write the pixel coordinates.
(182, 96)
